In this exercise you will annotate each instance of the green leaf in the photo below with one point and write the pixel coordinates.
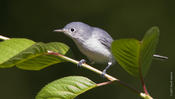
(12, 47)
(66, 88)
(148, 48)
(126, 52)
(136, 56)
(36, 57)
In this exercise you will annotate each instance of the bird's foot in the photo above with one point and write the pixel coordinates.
(104, 71)
(82, 61)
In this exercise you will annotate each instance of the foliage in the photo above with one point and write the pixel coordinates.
(29, 55)
(133, 55)
(66, 88)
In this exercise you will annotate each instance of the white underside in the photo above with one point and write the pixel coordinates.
(94, 50)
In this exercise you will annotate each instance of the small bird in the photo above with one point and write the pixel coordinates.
(93, 42)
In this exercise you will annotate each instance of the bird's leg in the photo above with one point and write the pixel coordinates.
(82, 61)
(104, 71)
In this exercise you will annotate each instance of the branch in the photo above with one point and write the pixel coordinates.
(109, 77)
(84, 65)
(4, 38)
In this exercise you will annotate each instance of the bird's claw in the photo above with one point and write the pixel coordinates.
(103, 73)
(82, 61)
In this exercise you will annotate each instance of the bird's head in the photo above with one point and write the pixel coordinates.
(76, 30)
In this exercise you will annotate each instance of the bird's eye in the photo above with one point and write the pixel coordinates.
(72, 29)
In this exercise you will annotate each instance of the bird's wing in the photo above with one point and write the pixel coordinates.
(105, 42)
(103, 37)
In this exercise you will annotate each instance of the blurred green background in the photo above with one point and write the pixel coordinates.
(36, 19)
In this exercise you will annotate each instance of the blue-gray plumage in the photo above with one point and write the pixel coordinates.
(93, 42)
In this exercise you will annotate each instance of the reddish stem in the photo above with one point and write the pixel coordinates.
(141, 76)
(143, 85)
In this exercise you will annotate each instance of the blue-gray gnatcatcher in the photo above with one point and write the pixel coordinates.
(93, 42)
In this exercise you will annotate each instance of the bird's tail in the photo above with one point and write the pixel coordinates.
(160, 57)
